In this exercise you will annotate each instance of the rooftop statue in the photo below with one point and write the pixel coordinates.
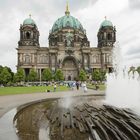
(69, 39)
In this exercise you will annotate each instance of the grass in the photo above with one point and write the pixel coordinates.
(28, 90)
(101, 86)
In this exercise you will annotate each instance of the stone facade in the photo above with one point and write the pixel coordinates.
(69, 48)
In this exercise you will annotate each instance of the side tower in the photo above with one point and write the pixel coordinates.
(28, 45)
(29, 34)
(106, 39)
(106, 34)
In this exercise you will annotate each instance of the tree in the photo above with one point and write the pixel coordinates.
(32, 75)
(103, 75)
(59, 75)
(132, 70)
(138, 70)
(20, 75)
(1, 68)
(99, 75)
(5, 76)
(96, 75)
(47, 75)
(82, 75)
(10, 71)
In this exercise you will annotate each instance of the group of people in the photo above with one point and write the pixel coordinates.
(77, 84)
(73, 85)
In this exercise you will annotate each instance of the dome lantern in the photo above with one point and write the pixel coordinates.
(29, 21)
(106, 34)
(67, 13)
(106, 23)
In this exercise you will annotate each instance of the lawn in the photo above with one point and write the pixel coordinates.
(27, 90)
(101, 86)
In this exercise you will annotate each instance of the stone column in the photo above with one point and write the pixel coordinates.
(50, 63)
(83, 65)
(88, 60)
(55, 61)
(102, 59)
(40, 74)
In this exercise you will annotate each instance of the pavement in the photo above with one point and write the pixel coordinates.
(9, 102)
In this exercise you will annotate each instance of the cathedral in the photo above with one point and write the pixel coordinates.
(69, 48)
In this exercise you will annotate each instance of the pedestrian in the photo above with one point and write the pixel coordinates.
(54, 87)
(77, 85)
(85, 87)
(72, 85)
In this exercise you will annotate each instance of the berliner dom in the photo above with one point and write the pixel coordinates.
(69, 48)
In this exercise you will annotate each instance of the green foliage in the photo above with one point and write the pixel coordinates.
(5, 76)
(47, 75)
(32, 75)
(132, 70)
(10, 71)
(19, 76)
(82, 75)
(103, 75)
(1, 68)
(138, 70)
(98, 75)
(93, 86)
(59, 75)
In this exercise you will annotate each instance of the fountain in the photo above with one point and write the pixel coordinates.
(123, 88)
(86, 119)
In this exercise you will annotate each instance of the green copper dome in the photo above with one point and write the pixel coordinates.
(106, 23)
(29, 21)
(67, 21)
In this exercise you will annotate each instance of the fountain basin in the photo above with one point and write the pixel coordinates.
(83, 118)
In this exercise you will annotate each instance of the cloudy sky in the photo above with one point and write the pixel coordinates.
(124, 14)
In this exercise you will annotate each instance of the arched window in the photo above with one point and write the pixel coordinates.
(43, 59)
(95, 59)
(109, 36)
(27, 59)
(28, 35)
(108, 58)
(86, 59)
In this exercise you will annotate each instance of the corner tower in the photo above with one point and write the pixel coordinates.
(28, 45)
(106, 34)
(29, 34)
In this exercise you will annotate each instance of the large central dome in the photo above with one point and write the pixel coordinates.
(67, 21)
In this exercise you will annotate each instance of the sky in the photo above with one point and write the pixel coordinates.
(124, 14)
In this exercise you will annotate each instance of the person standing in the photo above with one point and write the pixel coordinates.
(77, 85)
(85, 87)
(55, 87)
